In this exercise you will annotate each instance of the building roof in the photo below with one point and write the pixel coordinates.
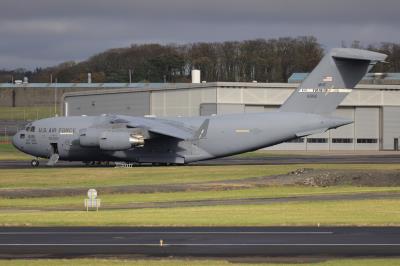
(174, 86)
(82, 85)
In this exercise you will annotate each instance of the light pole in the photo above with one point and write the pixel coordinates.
(130, 75)
(55, 99)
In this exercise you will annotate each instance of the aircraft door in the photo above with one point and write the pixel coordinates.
(54, 148)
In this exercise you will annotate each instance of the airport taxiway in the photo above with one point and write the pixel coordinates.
(200, 241)
(389, 158)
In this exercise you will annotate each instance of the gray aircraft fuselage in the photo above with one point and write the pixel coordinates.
(183, 140)
(226, 135)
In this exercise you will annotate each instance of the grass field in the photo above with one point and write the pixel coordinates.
(84, 177)
(8, 152)
(195, 262)
(26, 113)
(111, 200)
(350, 212)
(98, 177)
(354, 212)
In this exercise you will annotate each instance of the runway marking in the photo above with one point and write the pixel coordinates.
(194, 244)
(170, 233)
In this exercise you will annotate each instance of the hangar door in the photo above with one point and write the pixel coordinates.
(127, 103)
(391, 127)
(208, 109)
(227, 108)
(342, 138)
(366, 128)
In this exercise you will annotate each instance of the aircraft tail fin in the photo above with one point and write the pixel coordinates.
(332, 79)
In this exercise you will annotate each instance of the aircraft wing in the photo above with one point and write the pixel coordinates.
(167, 127)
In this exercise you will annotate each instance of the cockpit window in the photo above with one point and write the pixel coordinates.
(21, 136)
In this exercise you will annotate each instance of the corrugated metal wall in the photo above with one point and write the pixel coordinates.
(137, 103)
(182, 102)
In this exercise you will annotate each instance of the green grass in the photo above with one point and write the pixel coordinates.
(356, 212)
(26, 113)
(8, 152)
(383, 212)
(100, 177)
(194, 262)
(121, 199)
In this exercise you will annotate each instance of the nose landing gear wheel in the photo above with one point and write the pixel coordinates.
(35, 163)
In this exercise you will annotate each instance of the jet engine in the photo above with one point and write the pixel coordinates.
(118, 141)
(110, 140)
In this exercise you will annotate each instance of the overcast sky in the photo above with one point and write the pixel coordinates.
(47, 32)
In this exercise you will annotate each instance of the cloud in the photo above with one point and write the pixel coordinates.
(53, 31)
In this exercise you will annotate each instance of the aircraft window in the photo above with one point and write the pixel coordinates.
(28, 128)
(21, 136)
(32, 129)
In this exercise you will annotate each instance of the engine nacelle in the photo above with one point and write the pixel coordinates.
(119, 141)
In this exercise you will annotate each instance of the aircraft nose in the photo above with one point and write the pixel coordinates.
(16, 142)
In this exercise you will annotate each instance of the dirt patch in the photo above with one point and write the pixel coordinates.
(326, 178)
(300, 177)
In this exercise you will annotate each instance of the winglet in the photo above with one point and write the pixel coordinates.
(202, 131)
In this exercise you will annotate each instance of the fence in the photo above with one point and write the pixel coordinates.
(7, 132)
(26, 113)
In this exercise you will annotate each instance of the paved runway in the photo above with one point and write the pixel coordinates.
(212, 241)
(269, 160)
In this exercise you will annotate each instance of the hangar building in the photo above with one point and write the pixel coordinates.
(374, 107)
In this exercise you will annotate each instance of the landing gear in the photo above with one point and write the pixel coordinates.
(35, 163)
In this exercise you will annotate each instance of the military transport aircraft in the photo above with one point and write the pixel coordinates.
(182, 140)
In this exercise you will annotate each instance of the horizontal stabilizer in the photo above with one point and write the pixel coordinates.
(357, 54)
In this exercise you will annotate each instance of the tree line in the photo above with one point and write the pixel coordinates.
(263, 60)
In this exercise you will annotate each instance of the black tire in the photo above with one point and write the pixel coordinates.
(35, 163)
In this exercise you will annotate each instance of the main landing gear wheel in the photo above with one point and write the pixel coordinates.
(35, 163)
